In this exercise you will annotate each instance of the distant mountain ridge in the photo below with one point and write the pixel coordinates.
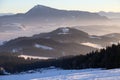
(110, 14)
(53, 44)
(44, 11)
(43, 15)
(60, 42)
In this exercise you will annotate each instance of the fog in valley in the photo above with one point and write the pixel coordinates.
(14, 30)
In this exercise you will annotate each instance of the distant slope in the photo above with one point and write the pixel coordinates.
(46, 16)
(44, 47)
(104, 58)
(60, 42)
(110, 14)
(48, 12)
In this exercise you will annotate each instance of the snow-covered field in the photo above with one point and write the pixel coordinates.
(57, 74)
(34, 57)
(92, 45)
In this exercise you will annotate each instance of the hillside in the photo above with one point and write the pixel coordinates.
(57, 43)
(105, 58)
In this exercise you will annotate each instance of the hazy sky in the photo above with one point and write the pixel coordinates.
(21, 6)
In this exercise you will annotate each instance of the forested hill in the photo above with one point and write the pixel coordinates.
(105, 58)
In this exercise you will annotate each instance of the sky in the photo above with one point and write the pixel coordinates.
(22, 6)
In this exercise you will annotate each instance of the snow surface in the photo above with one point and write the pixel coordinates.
(111, 36)
(43, 47)
(32, 57)
(92, 45)
(64, 31)
(57, 74)
(1, 43)
(96, 37)
(14, 50)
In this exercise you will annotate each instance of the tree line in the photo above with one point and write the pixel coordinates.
(105, 58)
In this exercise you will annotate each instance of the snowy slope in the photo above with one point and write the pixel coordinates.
(92, 45)
(57, 74)
(43, 47)
(1, 43)
(33, 57)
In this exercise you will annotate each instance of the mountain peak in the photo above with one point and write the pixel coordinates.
(40, 10)
(68, 31)
(39, 6)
